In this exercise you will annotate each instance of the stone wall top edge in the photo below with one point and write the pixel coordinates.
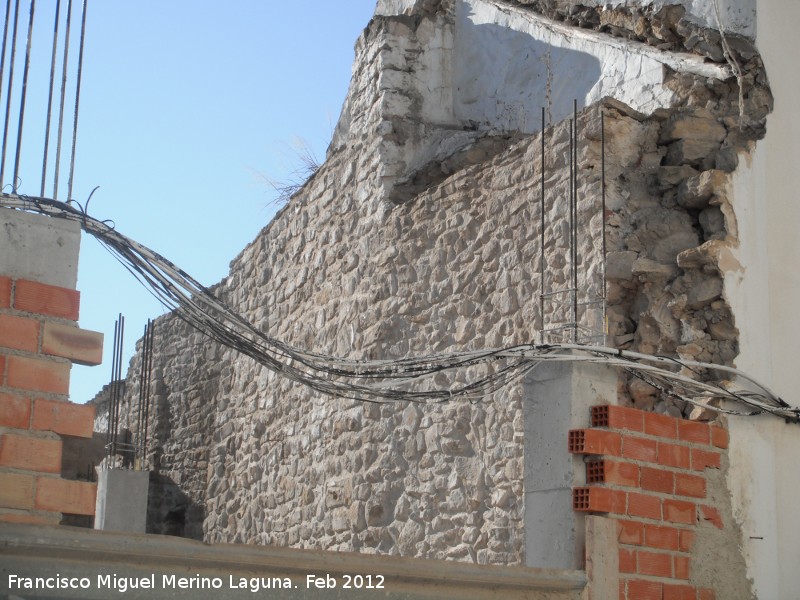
(148, 549)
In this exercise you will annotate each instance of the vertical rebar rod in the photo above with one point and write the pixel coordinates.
(603, 220)
(63, 99)
(8, 97)
(573, 314)
(77, 102)
(541, 237)
(24, 96)
(118, 381)
(151, 339)
(144, 393)
(139, 408)
(575, 221)
(116, 388)
(5, 41)
(50, 96)
(116, 368)
(111, 391)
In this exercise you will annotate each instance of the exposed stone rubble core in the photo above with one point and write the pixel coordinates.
(418, 236)
(452, 83)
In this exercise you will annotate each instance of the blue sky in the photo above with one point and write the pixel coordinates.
(186, 107)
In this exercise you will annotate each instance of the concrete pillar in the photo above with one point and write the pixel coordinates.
(39, 248)
(39, 341)
(557, 398)
(122, 500)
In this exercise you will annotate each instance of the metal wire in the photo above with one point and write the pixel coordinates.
(410, 379)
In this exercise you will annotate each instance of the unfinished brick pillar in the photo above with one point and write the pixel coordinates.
(39, 341)
(647, 473)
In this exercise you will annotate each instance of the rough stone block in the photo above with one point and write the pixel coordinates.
(619, 265)
(696, 192)
(704, 293)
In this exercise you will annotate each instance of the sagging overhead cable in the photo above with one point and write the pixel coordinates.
(409, 379)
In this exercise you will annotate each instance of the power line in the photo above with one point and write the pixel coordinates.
(409, 379)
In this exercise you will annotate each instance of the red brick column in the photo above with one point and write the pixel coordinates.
(39, 341)
(647, 471)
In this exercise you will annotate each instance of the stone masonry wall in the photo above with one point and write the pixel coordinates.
(241, 455)
(261, 460)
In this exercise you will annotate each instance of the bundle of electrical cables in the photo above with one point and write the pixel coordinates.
(470, 375)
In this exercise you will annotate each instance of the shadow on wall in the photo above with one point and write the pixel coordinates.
(171, 512)
(503, 77)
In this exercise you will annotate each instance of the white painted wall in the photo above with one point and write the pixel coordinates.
(509, 63)
(737, 16)
(765, 294)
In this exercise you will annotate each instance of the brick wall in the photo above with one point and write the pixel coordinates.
(39, 341)
(648, 472)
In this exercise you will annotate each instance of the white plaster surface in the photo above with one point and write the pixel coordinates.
(764, 291)
(390, 8)
(737, 16)
(509, 63)
(39, 248)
